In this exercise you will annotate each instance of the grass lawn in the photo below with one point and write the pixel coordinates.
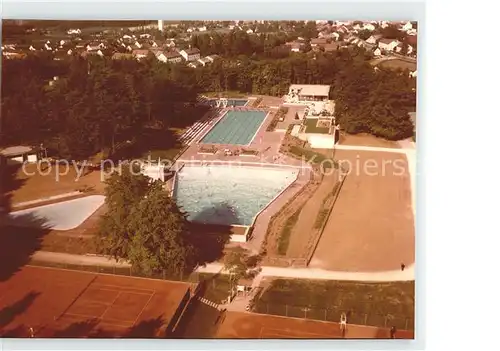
(398, 64)
(376, 304)
(312, 128)
(36, 182)
(284, 239)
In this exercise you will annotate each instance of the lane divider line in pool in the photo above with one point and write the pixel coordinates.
(216, 122)
(258, 129)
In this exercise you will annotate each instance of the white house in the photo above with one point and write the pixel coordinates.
(32, 48)
(413, 74)
(173, 57)
(74, 31)
(335, 36)
(126, 36)
(202, 29)
(373, 39)
(384, 24)
(70, 52)
(145, 35)
(47, 47)
(140, 54)
(161, 56)
(399, 49)
(388, 44)
(191, 54)
(369, 26)
(249, 31)
(204, 61)
(377, 52)
(138, 45)
(296, 47)
(212, 58)
(194, 64)
(407, 26)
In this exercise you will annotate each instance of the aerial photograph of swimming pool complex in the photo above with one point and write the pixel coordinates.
(209, 185)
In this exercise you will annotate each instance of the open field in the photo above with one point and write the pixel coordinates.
(375, 304)
(398, 64)
(240, 325)
(60, 303)
(371, 227)
(366, 140)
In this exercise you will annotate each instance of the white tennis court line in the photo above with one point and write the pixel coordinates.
(122, 288)
(144, 307)
(110, 305)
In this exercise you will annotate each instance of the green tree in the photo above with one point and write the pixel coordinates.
(160, 238)
(125, 188)
(240, 265)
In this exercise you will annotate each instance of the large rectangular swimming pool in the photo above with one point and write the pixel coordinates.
(229, 195)
(235, 127)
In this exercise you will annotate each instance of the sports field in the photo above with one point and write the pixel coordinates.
(240, 325)
(235, 128)
(62, 303)
(371, 227)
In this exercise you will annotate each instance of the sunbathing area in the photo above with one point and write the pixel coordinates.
(61, 303)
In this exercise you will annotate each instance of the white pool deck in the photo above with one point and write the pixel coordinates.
(64, 215)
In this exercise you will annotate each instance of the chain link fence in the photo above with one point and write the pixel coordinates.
(333, 315)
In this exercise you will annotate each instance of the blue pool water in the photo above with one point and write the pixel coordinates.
(236, 128)
(229, 194)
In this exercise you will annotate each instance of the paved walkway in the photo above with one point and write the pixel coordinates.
(267, 271)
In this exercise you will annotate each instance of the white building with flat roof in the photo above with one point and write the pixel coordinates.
(308, 92)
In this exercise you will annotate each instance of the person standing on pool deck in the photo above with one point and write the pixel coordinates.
(403, 266)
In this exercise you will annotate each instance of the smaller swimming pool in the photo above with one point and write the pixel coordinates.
(235, 128)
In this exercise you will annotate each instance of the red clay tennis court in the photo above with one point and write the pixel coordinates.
(65, 303)
(240, 325)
